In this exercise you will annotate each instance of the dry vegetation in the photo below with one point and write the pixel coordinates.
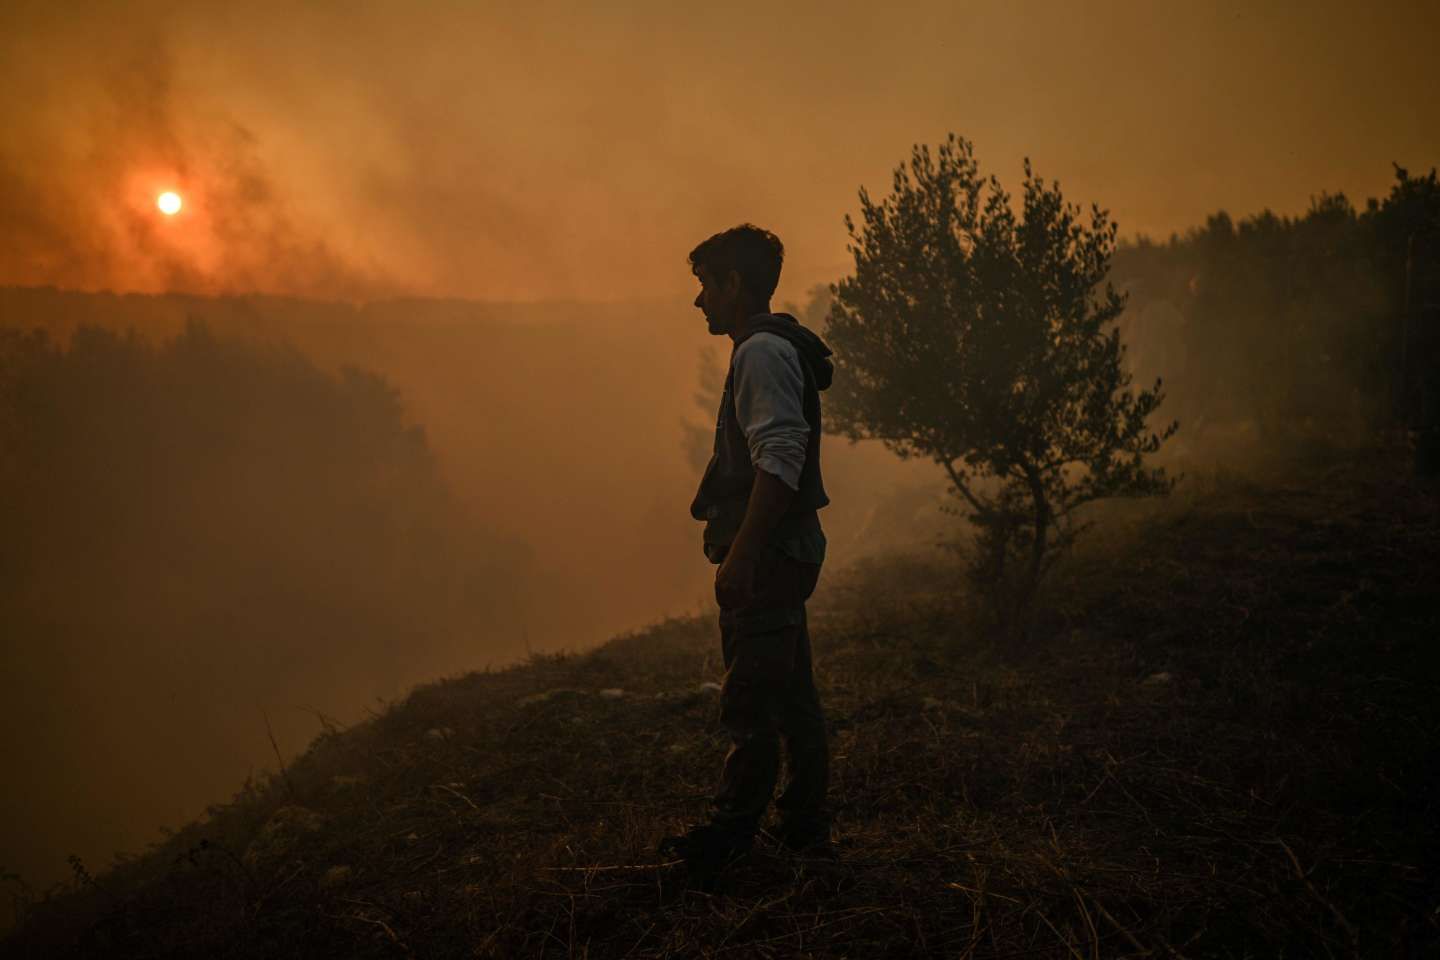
(1228, 750)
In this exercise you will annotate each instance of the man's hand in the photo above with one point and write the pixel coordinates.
(735, 581)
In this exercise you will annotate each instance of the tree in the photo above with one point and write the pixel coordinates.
(698, 439)
(983, 340)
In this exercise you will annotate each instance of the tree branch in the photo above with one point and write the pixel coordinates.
(980, 508)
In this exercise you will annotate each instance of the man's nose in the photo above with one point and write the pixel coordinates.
(700, 300)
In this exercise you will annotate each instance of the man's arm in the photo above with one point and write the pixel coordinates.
(769, 499)
(769, 390)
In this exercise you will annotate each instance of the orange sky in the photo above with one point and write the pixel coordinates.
(579, 151)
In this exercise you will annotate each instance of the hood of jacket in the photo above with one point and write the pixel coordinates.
(811, 348)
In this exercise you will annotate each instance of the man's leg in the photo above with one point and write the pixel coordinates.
(803, 813)
(759, 643)
(757, 666)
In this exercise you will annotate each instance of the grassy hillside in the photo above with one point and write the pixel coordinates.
(1223, 744)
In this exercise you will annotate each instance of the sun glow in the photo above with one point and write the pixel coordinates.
(169, 203)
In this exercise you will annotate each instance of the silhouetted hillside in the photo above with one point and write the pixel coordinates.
(1226, 747)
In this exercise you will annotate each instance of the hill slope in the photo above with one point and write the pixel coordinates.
(1224, 746)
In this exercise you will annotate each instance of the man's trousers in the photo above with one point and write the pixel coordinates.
(769, 695)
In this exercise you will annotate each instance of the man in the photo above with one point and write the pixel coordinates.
(759, 499)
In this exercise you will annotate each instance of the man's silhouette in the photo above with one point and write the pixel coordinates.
(759, 500)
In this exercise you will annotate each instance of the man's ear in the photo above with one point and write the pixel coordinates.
(733, 284)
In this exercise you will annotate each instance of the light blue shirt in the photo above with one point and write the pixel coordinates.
(769, 405)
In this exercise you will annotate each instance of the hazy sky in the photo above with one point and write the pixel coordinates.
(537, 150)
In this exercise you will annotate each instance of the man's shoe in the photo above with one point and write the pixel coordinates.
(707, 849)
(806, 840)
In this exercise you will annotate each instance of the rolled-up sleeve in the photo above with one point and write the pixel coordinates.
(769, 405)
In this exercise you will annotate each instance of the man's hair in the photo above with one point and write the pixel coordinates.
(753, 253)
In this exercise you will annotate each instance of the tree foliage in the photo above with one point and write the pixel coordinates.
(981, 337)
(1311, 323)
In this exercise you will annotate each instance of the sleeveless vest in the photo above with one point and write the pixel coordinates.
(725, 488)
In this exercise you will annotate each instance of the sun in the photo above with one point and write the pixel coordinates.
(169, 203)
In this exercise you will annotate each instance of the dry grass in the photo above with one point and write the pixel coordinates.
(1224, 747)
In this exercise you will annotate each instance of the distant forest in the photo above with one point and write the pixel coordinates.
(203, 532)
(1325, 322)
(159, 481)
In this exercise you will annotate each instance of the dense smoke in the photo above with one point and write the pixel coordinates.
(542, 152)
(485, 212)
(215, 537)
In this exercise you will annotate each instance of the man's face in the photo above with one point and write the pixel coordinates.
(717, 300)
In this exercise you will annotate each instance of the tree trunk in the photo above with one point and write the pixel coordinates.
(1038, 545)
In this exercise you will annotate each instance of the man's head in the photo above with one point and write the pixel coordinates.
(738, 272)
